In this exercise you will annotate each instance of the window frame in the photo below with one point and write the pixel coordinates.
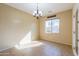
(50, 19)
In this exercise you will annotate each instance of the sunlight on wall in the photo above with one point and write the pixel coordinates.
(26, 39)
(27, 42)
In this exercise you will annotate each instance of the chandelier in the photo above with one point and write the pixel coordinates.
(37, 13)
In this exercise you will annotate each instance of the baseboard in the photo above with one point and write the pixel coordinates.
(74, 52)
(5, 49)
(57, 42)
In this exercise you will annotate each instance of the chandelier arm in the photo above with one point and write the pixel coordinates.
(37, 8)
(37, 14)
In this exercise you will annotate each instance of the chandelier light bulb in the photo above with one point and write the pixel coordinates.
(37, 13)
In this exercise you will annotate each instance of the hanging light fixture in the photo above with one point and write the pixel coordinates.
(37, 13)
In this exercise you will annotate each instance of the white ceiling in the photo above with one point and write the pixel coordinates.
(46, 8)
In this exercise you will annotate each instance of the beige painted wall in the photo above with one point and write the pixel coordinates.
(14, 25)
(65, 35)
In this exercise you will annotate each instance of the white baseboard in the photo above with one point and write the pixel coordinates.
(74, 52)
(5, 49)
(57, 42)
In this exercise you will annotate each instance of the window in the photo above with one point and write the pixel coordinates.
(52, 25)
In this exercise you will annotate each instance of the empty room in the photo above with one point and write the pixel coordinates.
(39, 29)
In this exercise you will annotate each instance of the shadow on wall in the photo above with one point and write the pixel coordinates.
(27, 42)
